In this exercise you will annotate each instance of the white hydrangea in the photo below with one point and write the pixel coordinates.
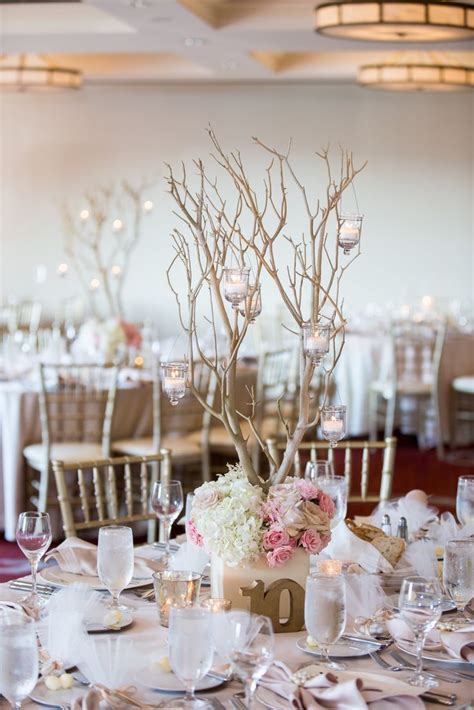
(227, 514)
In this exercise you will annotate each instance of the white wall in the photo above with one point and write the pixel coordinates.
(416, 192)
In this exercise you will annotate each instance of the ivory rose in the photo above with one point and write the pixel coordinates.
(206, 498)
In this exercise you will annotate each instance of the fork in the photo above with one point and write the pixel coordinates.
(404, 667)
(456, 674)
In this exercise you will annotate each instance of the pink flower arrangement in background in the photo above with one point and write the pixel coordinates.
(132, 334)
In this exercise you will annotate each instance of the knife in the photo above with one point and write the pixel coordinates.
(21, 584)
(439, 698)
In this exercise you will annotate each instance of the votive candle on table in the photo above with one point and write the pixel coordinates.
(175, 588)
(216, 604)
(329, 567)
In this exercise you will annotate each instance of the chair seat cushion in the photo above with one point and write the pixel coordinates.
(183, 447)
(415, 388)
(67, 451)
(464, 384)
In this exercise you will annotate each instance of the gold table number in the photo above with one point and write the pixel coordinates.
(267, 603)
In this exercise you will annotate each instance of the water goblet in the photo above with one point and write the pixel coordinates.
(190, 651)
(420, 608)
(336, 488)
(325, 612)
(167, 502)
(458, 574)
(320, 468)
(19, 664)
(465, 500)
(246, 641)
(115, 561)
(33, 536)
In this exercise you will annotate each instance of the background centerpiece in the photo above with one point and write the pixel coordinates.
(228, 251)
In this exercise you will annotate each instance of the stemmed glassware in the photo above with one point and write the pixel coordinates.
(325, 612)
(190, 651)
(336, 488)
(465, 500)
(167, 502)
(115, 561)
(420, 608)
(320, 468)
(33, 536)
(458, 574)
(19, 664)
(246, 641)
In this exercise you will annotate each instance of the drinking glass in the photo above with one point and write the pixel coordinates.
(465, 500)
(321, 468)
(33, 536)
(246, 641)
(336, 488)
(115, 560)
(18, 657)
(167, 502)
(420, 608)
(325, 612)
(190, 651)
(458, 573)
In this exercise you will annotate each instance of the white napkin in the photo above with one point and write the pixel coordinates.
(412, 507)
(459, 644)
(190, 558)
(112, 660)
(347, 547)
(364, 595)
(420, 556)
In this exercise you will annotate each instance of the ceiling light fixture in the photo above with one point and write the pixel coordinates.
(396, 20)
(405, 73)
(26, 72)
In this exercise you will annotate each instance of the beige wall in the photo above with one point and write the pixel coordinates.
(416, 192)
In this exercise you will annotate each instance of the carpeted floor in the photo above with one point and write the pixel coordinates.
(413, 469)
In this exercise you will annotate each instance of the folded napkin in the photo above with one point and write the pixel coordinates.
(80, 557)
(402, 632)
(324, 691)
(348, 547)
(460, 643)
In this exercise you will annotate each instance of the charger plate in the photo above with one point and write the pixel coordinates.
(156, 678)
(53, 575)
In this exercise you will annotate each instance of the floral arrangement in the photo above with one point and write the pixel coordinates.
(237, 521)
(103, 339)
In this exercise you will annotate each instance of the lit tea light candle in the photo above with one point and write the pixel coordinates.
(349, 231)
(333, 422)
(236, 284)
(316, 343)
(217, 605)
(147, 206)
(330, 567)
(174, 380)
(315, 340)
(333, 425)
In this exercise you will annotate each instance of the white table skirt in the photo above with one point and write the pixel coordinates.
(151, 642)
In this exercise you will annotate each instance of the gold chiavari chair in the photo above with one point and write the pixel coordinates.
(76, 405)
(316, 449)
(107, 491)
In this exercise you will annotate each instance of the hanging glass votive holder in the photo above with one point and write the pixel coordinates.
(350, 226)
(316, 341)
(236, 285)
(174, 380)
(333, 423)
(251, 306)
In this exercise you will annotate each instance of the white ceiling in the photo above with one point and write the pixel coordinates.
(193, 40)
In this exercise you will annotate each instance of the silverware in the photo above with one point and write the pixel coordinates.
(370, 641)
(400, 668)
(440, 673)
(28, 587)
(439, 698)
(237, 702)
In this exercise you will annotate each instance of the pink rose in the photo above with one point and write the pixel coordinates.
(132, 335)
(326, 504)
(286, 495)
(279, 556)
(311, 541)
(193, 534)
(275, 537)
(206, 498)
(271, 511)
(307, 489)
(325, 540)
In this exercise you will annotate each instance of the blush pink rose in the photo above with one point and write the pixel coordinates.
(275, 537)
(206, 498)
(270, 511)
(307, 489)
(311, 541)
(325, 540)
(326, 504)
(193, 534)
(279, 556)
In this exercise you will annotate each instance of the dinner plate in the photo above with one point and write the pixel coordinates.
(42, 695)
(53, 575)
(156, 678)
(390, 684)
(95, 624)
(441, 655)
(341, 649)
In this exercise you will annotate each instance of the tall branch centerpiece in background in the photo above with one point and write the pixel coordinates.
(228, 251)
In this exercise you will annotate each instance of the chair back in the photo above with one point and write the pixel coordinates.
(108, 492)
(76, 403)
(415, 348)
(322, 449)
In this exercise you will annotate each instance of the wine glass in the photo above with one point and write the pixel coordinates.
(115, 561)
(325, 612)
(246, 641)
(167, 502)
(336, 488)
(420, 608)
(458, 573)
(321, 468)
(465, 500)
(19, 664)
(33, 536)
(333, 423)
(190, 651)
